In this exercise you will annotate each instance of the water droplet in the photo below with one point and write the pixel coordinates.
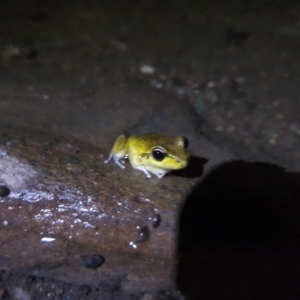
(47, 239)
(93, 261)
(133, 245)
(4, 190)
(156, 219)
(143, 234)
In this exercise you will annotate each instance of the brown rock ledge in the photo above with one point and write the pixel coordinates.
(65, 204)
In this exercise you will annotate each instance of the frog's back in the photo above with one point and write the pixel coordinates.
(145, 142)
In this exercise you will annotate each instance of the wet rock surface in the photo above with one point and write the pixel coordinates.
(70, 217)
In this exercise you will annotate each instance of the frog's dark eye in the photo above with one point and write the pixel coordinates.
(158, 154)
(185, 142)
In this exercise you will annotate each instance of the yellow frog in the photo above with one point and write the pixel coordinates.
(151, 153)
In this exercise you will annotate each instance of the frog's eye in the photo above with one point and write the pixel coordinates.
(158, 154)
(185, 142)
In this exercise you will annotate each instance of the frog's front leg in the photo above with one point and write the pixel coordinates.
(119, 151)
(158, 172)
(137, 162)
(144, 170)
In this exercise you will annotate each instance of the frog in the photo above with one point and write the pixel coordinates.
(151, 153)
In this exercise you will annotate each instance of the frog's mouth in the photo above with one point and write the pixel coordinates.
(174, 157)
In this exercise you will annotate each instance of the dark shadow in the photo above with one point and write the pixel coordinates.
(239, 235)
(194, 168)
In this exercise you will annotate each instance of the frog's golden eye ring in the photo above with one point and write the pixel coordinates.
(185, 142)
(158, 153)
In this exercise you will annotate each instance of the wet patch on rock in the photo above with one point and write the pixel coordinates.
(13, 171)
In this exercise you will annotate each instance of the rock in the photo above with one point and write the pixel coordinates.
(20, 294)
(67, 209)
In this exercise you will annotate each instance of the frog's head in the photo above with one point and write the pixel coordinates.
(172, 156)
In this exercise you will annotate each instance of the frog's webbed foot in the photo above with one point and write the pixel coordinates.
(159, 174)
(146, 173)
(144, 170)
(109, 158)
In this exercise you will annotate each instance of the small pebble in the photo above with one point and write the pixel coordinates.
(147, 69)
(143, 234)
(4, 191)
(93, 261)
(272, 141)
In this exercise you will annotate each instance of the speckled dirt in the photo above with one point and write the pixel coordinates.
(223, 75)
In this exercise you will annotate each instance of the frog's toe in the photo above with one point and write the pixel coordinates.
(160, 175)
(120, 163)
(106, 161)
(148, 175)
(144, 170)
